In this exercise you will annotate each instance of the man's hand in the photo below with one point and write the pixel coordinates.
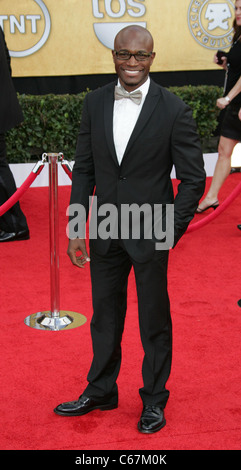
(78, 245)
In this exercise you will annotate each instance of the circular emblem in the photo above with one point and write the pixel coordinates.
(43, 38)
(211, 22)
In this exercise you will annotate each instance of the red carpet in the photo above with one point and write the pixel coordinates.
(40, 369)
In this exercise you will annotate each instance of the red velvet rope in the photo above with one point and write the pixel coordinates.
(16, 196)
(27, 183)
(67, 170)
(217, 211)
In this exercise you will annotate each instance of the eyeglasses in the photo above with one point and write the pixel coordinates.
(126, 55)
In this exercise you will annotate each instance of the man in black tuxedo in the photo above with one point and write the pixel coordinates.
(13, 224)
(126, 150)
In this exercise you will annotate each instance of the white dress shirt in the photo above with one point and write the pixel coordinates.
(126, 113)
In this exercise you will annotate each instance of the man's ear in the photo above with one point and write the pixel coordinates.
(153, 57)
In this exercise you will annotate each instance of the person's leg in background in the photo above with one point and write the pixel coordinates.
(13, 224)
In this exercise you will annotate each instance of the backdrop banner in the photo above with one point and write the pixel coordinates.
(75, 37)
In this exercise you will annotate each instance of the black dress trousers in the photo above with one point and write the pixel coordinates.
(109, 275)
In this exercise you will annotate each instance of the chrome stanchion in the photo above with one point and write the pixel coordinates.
(55, 319)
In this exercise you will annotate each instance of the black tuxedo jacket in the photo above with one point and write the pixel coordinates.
(165, 135)
(10, 111)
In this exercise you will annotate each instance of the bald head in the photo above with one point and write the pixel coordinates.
(134, 32)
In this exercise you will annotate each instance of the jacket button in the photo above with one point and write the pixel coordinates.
(122, 178)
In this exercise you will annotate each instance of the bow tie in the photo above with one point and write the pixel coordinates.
(136, 96)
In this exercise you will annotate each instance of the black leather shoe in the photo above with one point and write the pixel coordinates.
(152, 419)
(13, 236)
(239, 226)
(86, 404)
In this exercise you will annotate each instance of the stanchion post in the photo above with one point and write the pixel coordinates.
(54, 233)
(55, 319)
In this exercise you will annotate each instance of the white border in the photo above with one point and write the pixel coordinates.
(22, 170)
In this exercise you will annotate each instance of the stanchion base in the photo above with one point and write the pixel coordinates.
(46, 321)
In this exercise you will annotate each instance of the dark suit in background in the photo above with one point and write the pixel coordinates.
(13, 221)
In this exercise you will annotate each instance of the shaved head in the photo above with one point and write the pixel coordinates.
(132, 31)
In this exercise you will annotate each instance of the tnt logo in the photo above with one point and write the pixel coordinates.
(27, 31)
(211, 22)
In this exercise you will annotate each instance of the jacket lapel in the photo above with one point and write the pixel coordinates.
(108, 119)
(149, 105)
